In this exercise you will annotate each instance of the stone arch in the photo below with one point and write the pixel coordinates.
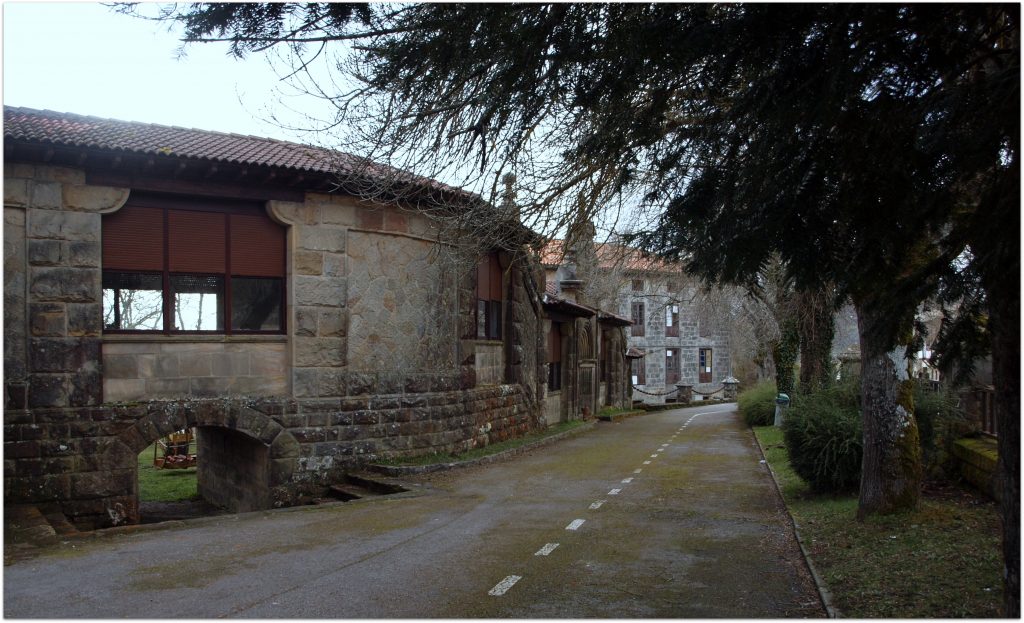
(164, 417)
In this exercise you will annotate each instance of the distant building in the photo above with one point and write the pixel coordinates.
(669, 340)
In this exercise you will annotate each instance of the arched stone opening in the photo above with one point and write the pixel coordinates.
(245, 457)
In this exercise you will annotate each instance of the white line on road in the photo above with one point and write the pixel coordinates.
(664, 445)
(637, 470)
(654, 456)
(547, 549)
(575, 525)
(502, 587)
(626, 481)
(614, 491)
(647, 462)
(596, 505)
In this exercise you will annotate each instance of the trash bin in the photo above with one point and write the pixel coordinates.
(781, 403)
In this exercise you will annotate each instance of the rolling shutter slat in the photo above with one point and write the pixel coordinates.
(133, 239)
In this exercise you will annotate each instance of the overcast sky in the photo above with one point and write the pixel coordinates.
(84, 58)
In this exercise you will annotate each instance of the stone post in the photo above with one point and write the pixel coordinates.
(731, 385)
(684, 393)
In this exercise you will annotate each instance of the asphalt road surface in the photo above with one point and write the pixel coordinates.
(667, 515)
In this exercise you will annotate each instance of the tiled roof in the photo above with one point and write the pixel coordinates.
(71, 130)
(47, 126)
(609, 256)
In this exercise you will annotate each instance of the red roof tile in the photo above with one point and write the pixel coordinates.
(67, 129)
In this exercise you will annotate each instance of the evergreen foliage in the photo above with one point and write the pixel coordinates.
(757, 404)
(824, 437)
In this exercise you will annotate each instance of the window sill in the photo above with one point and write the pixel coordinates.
(193, 338)
(480, 340)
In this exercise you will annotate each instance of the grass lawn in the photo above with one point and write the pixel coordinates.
(943, 560)
(164, 485)
(476, 453)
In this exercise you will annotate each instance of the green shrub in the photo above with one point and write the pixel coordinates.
(940, 422)
(757, 404)
(823, 437)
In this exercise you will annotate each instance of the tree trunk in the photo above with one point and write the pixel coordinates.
(816, 324)
(891, 468)
(784, 352)
(1005, 326)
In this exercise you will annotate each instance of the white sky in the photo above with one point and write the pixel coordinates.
(85, 58)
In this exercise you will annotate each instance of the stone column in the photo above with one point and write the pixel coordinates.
(685, 393)
(63, 295)
(731, 385)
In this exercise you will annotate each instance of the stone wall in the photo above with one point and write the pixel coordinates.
(60, 304)
(379, 359)
(146, 368)
(235, 469)
(86, 458)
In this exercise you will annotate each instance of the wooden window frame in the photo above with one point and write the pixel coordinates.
(640, 369)
(555, 357)
(489, 298)
(637, 311)
(672, 372)
(180, 205)
(671, 320)
(705, 360)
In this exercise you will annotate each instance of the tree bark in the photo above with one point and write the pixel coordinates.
(891, 466)
(816, 325)
(1005, 326)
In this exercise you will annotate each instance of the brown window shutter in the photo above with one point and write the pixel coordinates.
(196, 241)
(555, 343)
(495, 277)
(133, 239)
(483, 274)
(257, 246)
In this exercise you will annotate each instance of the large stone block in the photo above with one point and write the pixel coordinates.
(62, 225)
(123, 390)
(84, 319)
(306, 321)
(319, 352)
(93, 198)
(322, 239)
(72, 285)
(46, 390)
(16, 192)
(47, 320)
(45, 253)
(308, 262)
(316, 291)
(333, 323)
(62, 354)
(81, 253)
(45, 195)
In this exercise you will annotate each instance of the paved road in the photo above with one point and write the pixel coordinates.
(667, 515)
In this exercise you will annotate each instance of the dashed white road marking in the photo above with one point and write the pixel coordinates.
(596, 505)
(575, 524)
(626, 481)
(647, 462)
(614, 491)
(502, 587)
(637, 470)
(654, 456)
(664, 445)
(547, 549)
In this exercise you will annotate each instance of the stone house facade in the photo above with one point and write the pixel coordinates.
(158, 278)
(669, 343)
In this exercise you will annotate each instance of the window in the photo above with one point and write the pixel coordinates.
(488, 298)
(704, 365)
(671, 366)
(555, 357)
(637, 330)
(177, 265)
(638, 371)
(672, 321)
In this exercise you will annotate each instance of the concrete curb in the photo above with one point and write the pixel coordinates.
(823, 593)
(408, 470)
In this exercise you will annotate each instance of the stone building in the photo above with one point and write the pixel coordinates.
(158, 278)
(674, 341)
